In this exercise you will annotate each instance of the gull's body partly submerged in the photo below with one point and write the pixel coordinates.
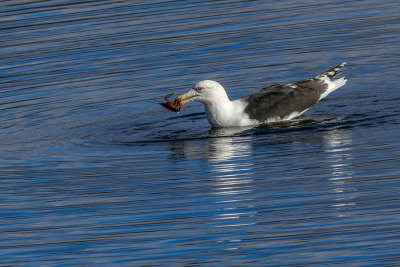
(273, 103)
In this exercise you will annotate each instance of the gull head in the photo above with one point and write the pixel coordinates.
(206, 91)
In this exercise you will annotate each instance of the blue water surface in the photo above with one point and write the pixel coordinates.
(95, 172)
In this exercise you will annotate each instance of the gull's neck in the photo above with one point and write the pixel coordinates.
(219, 112)
(222, 112)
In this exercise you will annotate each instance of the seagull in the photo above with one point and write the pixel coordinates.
(277, 102)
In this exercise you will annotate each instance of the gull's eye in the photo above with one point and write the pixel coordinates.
(198, 89)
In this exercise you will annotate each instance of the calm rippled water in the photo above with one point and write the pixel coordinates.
(93, 171)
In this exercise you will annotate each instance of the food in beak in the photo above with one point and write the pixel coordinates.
(178, 102)
(176, 106)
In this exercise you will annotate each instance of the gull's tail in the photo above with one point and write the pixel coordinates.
(334, 71)
(333, 84)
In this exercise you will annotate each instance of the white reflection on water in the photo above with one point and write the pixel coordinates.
(232, 177)
(338, 145)
(232, 171)
(224, 145)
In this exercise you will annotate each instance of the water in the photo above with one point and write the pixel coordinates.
(93, 171)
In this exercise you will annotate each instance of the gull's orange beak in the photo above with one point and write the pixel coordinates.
(183, 99)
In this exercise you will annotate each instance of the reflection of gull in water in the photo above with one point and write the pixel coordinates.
(224, 145)
(233, 183)
(229, 170)
(338, 145)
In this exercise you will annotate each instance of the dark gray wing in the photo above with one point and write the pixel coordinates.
(281, 100)
(278, 101)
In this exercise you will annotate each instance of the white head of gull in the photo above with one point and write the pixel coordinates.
(220, 111)
(276, 102)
